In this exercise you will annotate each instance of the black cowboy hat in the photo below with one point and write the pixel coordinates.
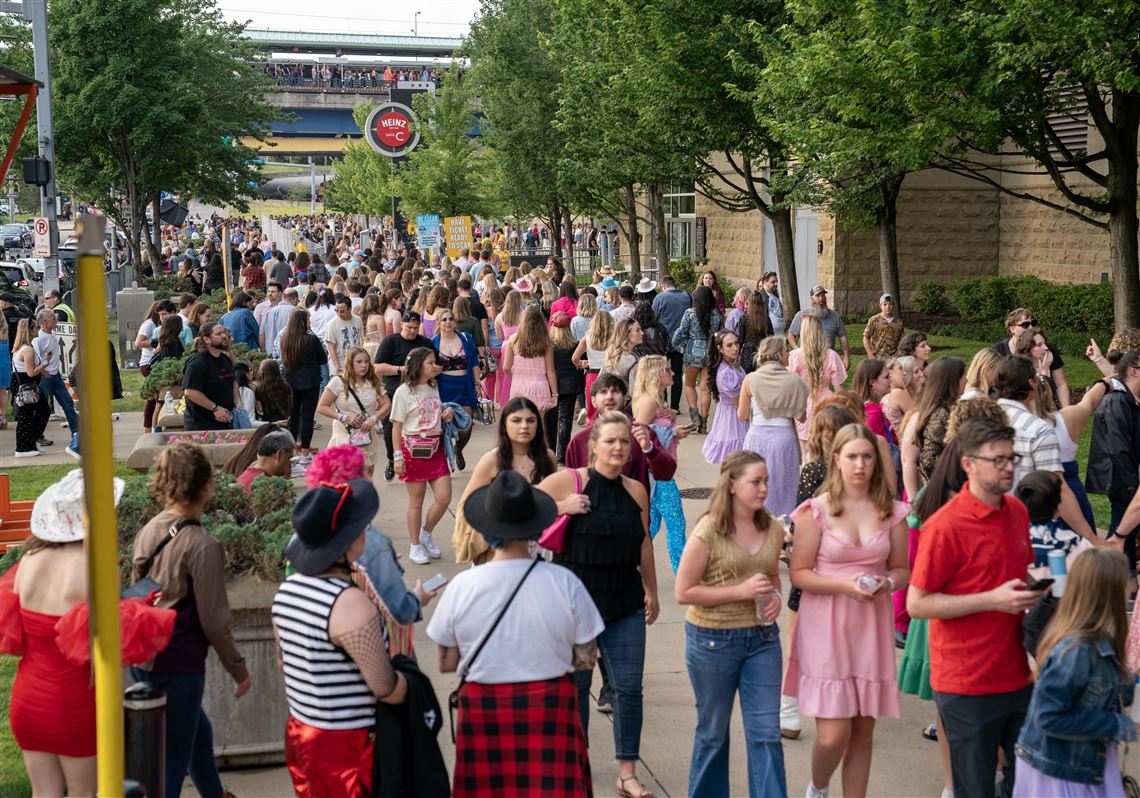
(326, 520)
(510, 508)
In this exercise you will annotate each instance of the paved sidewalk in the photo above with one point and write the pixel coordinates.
(905, 765)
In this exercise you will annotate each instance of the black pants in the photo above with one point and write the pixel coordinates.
(386, 426)
(678, 388)
(975, 727)
(1119, 505)
(31, 420)
(301, 419)
(559, 423)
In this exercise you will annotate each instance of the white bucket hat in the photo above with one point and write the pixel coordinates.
(57, 515)
(646, 286)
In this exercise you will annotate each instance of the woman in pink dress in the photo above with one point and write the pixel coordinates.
(528, 357)
(818, 366)
(506, 325)
(850, 554)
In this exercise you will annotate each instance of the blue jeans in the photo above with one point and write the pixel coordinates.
(722, 662)
(622, 646)
(52, 385)
(189, 735)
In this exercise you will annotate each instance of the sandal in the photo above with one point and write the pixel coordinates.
(622, 791)
(931, 732)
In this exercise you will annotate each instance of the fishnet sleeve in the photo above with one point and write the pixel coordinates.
(365, 644)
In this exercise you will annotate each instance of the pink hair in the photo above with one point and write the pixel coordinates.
(335, 465)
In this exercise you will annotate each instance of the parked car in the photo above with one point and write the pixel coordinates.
(35, 264)
(23, 293)
(14, 236)
(22, 276)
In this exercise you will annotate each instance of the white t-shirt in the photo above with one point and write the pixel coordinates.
(419, 412)
(44, 343)
(550, 615)
(147, 330)
(319, 319)
(344, 334)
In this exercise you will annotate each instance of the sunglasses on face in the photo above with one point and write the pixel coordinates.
(1025, 325)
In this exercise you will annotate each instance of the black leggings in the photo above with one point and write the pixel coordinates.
(559, 423)
(301, 419)
(31, 421)
(386, 426)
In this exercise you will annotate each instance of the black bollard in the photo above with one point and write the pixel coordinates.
(144, 727)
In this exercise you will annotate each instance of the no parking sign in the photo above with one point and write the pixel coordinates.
(42, 247)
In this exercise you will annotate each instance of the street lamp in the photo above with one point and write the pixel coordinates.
(417, 29)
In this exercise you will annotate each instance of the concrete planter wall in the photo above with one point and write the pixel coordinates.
(147, 448)
(249, 730)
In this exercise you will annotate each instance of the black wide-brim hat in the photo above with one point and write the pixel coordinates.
(326, 520)
(510, 508)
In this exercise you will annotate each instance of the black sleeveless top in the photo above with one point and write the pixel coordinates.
(603, 548)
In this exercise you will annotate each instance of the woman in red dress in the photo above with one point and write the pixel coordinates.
(43, 619)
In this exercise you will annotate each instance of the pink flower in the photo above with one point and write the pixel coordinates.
(336, 464)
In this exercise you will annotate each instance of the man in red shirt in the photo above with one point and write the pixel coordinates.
(969, 579)
(274, 459)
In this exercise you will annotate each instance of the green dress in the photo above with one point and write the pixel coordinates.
(914, 667)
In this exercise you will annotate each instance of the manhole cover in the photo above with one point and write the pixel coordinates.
(696, 493)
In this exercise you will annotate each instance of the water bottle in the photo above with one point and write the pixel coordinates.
(762, 604)
(1058, 571)
(168, 404)
(867, 583)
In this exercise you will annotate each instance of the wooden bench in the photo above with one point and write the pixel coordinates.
(15, 518)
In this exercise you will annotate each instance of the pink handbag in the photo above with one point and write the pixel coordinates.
(553, 538)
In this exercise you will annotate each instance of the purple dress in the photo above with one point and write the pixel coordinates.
(727, 432)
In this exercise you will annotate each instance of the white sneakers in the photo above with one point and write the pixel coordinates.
(815, 792)
(789, 717)
(418, 555)
(429, 545)
(582, 417)
(31, 453)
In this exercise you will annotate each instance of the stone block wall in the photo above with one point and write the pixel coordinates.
(945, 233)
(1050, 244)
(734, 241)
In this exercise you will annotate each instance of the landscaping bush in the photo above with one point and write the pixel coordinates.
(931, 299)
(1081, 310)
(684, 272)
(252, 529)
(168, 285)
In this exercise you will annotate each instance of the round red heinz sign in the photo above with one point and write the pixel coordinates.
(391, 130)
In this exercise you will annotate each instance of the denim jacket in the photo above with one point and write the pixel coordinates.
(1076, 710)
(460, 421)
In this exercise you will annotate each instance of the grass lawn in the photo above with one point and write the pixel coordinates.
(275, 208)
(28, 482)
(13, 778)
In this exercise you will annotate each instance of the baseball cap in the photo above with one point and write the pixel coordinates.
(818, 289)
(6, 297)
(886, 298)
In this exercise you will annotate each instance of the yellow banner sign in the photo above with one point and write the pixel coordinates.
(457, 230)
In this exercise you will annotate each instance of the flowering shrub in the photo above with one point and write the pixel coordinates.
(209, 436)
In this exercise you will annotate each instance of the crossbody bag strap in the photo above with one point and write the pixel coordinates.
(175, 528)
(491, 631)
(359, 403)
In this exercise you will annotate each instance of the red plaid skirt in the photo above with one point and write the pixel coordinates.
(520, 740)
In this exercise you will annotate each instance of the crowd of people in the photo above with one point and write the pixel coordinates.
(349, 76)
(928, 507)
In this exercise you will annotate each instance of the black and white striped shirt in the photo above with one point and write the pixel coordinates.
(324, 686)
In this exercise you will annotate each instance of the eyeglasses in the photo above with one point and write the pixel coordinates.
(999, 462)
(1025, 325)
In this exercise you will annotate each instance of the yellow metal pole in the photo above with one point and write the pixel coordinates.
(227, 277)
(95, 437)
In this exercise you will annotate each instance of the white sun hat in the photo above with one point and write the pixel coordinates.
(57, 515)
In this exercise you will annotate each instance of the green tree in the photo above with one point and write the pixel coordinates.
(16, 34)
(516, 80)
(609, 150)
(363, 182)
(842, 97)
(446, 173)
(1043, 66)
(679, 55)
(161, 104)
